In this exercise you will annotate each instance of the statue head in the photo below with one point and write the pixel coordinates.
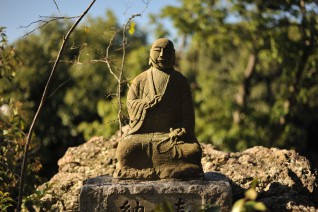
(162, 54)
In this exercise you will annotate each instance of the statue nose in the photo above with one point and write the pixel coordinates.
(161, 53)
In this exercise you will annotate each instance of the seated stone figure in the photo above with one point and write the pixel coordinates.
(160, 142)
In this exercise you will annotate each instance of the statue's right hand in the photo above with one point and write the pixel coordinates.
(155, 100)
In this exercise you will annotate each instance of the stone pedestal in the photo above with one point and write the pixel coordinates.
(106, 194)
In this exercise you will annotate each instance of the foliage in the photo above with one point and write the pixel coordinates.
(80, 103)
(33, 201)
(82, 86)
(253, 70)
(5, 201)
(108, 111)
(8, 56)
(249, 203)
(12, 137)
(252, 66)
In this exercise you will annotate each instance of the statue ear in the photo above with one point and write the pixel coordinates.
(173, 57)
(150, 62)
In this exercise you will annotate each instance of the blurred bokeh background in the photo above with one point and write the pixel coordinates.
(252, 67)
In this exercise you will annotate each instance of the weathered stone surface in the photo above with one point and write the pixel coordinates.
(105, 194)
(287, 181)
(161, 142)
(93, 158)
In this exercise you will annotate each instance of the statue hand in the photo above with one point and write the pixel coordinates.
(178, 132)
(155, 100)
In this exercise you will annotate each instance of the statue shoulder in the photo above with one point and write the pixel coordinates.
(176, 75)
(140, 78)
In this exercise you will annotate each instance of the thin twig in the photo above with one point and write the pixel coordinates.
(29, 136)
(124, 42)
(52, 18)
(111, 95)
(121, 70)
(107, 56)
(63, 83)
(45, 22)
(146, 2)
(57, 7)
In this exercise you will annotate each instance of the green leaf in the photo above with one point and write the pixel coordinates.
(238, 206)
(87, 29)
(132, 28)
(4, 207)
(254, 183)
(259, 206)
(251, 194)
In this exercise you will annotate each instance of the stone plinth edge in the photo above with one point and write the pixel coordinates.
(107, 194)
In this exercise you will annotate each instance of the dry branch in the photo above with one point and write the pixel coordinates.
(45, 22)
(29, 135)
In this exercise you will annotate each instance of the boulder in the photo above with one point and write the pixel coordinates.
(286, 179)
(94, 158)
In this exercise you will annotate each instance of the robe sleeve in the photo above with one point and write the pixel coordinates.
(188, 117)
(136, 106)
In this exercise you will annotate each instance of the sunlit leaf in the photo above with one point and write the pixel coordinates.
(87, 29)
(259, 206)
(251, 194)
(132, 28)
(254, 183)
(238, 206)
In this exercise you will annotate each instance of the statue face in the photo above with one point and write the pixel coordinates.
(162, 54)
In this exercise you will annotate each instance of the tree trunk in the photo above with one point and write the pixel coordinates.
(244, 89)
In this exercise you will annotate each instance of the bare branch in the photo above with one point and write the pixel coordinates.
(124, 43)
(118, 72)
(63, 83)
(45, 22)
(51, 18)
(57, 7)
(49, 81)
(107, 56)
(146, 2)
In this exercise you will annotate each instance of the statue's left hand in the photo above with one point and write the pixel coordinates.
(178, 132)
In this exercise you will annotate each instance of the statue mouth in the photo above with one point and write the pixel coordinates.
(163, 62)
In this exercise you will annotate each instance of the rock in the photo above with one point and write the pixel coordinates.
(287, 182)
(94, 158)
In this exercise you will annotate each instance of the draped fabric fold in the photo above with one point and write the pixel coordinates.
(137, 114)
(141, 92)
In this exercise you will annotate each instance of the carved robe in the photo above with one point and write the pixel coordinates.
(175, 109)
(148, 151)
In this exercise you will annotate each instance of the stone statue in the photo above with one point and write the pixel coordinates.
(160, 142)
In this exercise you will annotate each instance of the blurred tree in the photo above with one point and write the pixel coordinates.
(12, 127)
(81, 89)
(253, 67)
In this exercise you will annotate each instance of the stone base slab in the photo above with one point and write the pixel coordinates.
(107, 194)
